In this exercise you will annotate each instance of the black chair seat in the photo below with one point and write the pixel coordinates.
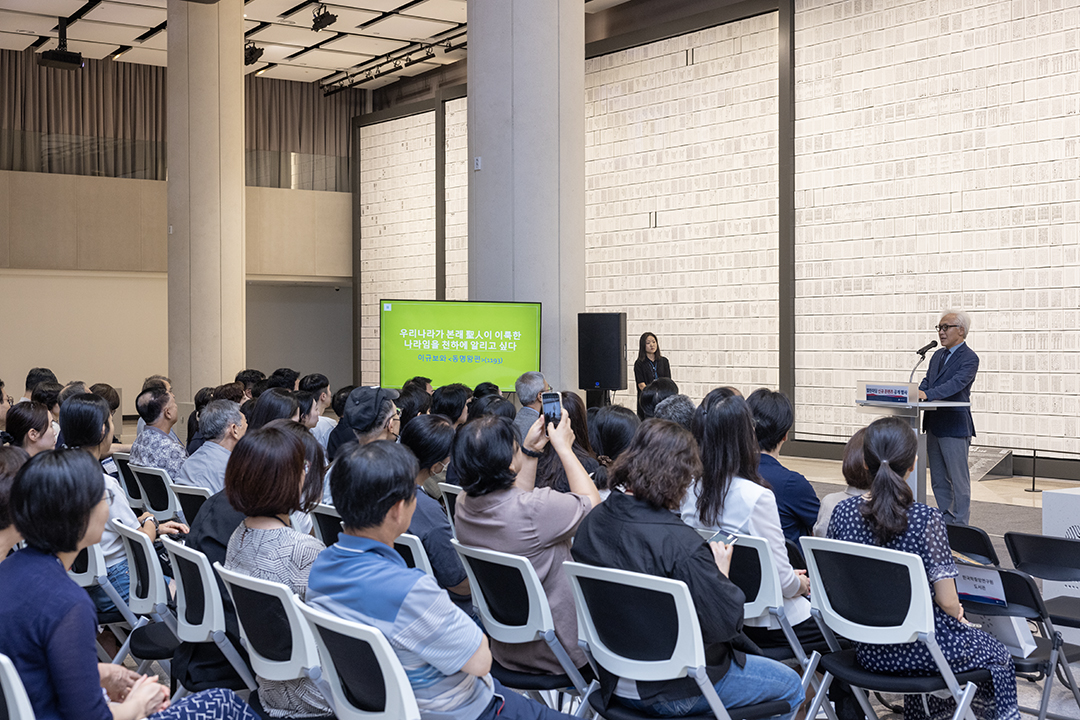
(154, 642)
(1034, 662)
(1064, 611)
(845, 666)
(617, 711)
(784, 652)
(529, 681)
(111, 617)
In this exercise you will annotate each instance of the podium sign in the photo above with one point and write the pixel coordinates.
(888, 398)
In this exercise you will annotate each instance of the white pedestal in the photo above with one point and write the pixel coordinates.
(1061, 518)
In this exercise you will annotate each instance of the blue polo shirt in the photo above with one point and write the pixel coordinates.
(365, 581)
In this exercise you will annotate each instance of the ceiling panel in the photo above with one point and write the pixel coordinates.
(104, 32)
(294, 72)
(12, 41)
(291, 35)
(380, 6)
(365, 45)
(329, 59)
(450, 10)
(268, 9)
(144, 56)
(26, 23)
(407, 28)
(160, 41)
(95, 51)
(55, 8)
(149, 3)
(129, 14)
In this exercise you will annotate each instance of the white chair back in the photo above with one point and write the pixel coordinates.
(415, 548)
(451, 494)
(191, 498)
(895, 569)
(147, 594)
(157, 495)
(347, 649)
(12, 693)
(195, 584)
(128, 482)
(326, 521)
(261, 606)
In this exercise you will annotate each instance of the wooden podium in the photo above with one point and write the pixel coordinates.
(902, 400)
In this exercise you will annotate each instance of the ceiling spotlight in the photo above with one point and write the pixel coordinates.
(322, 18)
(252, 53)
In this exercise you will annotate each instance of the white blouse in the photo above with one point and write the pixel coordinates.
(750, 509)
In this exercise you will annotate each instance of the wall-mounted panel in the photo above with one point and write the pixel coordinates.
(936, 160)
(397, 222)
(681, 201)
(457, 200)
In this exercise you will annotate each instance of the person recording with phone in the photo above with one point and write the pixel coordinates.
(502, 510)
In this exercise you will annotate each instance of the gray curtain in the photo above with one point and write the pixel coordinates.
(106, 119)
(109, 118)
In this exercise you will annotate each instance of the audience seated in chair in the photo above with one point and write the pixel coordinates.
(275, 404)
(265, 480)
(47, 623)
(87, 424)
(549, 469)
(529, 387)
(156, 446)
(222, 425)
(636, 529)
(342, 433)
(796, 500)
(363, 579)
(369, 415)
(11, 459)
(856, 477)
(431, 438)
(501, 510)
(318, 385)
(195, 438)
(889, 517)
(30, 428)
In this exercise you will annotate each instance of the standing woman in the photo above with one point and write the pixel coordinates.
(650, 365)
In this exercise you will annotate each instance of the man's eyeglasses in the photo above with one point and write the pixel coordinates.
(108, 497)
(943, 327)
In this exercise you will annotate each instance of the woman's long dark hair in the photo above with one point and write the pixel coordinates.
(724, 429)
(641, 346)
(889, 447)
(21, 419)
(274, 404)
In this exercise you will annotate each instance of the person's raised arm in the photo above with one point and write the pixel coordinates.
(480, 662)
(562, 439)
(534, 441)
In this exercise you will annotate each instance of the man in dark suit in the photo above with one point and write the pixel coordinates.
(949, 430)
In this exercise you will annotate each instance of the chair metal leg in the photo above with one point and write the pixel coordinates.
(709, 691)
(234, 659)
(963, 705)
(122, 653)
(584, 709)
(564, 659)
(315, 675)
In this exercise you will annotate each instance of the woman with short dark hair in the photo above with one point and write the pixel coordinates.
(503, 510)
(856, 476)
(264, 480)
(48, 623)
(636, 530)
(29, 426)
(888, 516)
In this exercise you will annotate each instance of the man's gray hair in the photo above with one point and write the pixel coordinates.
(217, 416)
(962, 319)
(528, 386)
(677, 408)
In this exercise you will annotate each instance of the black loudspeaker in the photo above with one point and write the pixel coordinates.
(602, 351)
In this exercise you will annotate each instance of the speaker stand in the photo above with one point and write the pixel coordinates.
(597, 398)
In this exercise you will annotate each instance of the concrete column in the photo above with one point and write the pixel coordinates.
(206, 194)
(526, 78)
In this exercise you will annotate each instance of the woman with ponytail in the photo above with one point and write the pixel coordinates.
(888, 516)
(29, 426)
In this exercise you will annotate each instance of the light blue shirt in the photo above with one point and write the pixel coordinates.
(206, 468)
